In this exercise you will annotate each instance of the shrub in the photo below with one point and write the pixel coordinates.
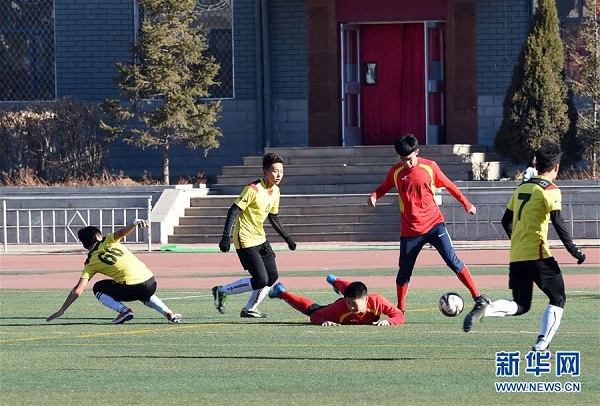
(51, 142)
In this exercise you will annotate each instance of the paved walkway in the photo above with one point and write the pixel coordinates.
(590, 245)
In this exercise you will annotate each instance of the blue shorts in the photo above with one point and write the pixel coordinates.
(410, 247)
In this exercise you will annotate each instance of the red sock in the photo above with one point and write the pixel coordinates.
(465, 277)
(297, 302)
(341, 284)
(402, 290)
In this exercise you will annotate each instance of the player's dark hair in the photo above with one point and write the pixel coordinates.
(89, 235)
(355, 290)
(547, 157)
(532, 161)
(406, 145)
(270, 159)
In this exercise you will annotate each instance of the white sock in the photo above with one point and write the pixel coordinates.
(111, 303)
(550, 323)
(501, 308)
(239, 286)
(256, 297)
(158, 305)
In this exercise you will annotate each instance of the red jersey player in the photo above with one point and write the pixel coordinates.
(421, 220)
(357, 306)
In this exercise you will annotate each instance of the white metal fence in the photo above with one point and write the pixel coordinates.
(580, 211)
(51, 224)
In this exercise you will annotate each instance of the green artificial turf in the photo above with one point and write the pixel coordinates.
(282, 360)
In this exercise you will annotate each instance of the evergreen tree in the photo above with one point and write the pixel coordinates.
(165, 82)
(536, 105)
(584, 53)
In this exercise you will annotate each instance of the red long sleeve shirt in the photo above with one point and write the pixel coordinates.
(416, 190)
(377, 305)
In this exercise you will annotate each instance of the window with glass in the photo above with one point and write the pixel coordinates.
(216, 19)
(570, 14)
(27, 57)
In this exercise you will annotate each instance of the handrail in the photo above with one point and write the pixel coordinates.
(60, 219)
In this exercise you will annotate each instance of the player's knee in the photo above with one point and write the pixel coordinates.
(100, 287)
(259, 283)
(559, 301)
(402, 280)
(272, 280)
(522, 309)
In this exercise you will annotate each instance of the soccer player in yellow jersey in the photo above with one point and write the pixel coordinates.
(257, 202)
(130, 278)
(533, 205)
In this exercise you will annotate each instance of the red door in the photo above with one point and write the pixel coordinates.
(393, 82)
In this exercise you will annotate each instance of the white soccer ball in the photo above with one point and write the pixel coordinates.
(451, 304)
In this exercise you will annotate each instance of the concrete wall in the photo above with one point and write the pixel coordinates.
(92, 36)
(502, 27)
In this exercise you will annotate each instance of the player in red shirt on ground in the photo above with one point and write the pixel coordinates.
(357, 306)
(421, 220)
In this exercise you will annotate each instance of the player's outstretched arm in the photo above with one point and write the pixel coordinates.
(395, 317)
(441, 180)
(125, 231)
(565, 237)
(276, 223)
(507, 222)
(73, 295)
(232, 215)
(330, 324)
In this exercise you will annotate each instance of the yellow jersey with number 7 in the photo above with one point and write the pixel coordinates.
(531, 204)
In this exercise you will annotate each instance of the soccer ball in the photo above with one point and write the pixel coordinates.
(451, 304)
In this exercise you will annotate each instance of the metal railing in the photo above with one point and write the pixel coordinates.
(580, 211)
(59, 225)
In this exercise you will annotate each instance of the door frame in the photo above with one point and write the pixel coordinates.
(435, 82)
(351, 72)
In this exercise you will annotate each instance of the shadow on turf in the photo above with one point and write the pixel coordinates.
(75, 321)
(328, 359)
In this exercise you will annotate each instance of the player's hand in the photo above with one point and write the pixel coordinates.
(291, 244)
(225, 243)
(579, 256)
(472, 210)
(329, 324)
(382, 323)
(54, 316)
(372, 201)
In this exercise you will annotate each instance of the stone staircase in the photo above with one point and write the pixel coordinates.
(311, 218)
(358, 169)
(325, 190)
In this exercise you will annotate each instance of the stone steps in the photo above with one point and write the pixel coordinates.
(324, 192)
(359, 169)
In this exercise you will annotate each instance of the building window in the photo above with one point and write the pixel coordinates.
(570, 14)
(27, 57)
(568, 9)
(217, 24)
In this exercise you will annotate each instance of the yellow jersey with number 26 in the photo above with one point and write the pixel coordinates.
(113, 259)
(531, 204)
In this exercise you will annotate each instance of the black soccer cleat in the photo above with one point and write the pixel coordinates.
(477, 314)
